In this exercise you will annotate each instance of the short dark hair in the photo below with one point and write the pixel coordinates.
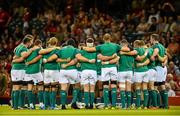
(155, 37)
(37, 42)
(26, 40)
(70, 42)
(90, 40)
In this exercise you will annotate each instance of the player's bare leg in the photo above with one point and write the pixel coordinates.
(63, 93)
(138, 94)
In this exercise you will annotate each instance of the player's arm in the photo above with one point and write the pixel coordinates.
(140, 58)
(18, 59)
(25, 54)
(45, 51)
(130, 53)
(63, 60)
(165, 62)
(112, 61)
(155, 53)
(106, 58)
(89, 49)
(51, 58)
(145, 63)
(71, 63)
(83, 59)
(162, 59)
(125, 49)
(36, 59)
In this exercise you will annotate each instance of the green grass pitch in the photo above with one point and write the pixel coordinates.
(6, 111)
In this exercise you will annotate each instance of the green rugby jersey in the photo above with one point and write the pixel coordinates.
(18, 50)
(90, 56)
(151, 65)
(35, 67)
(108, 49)
(126, 63)
(162, 52)
(140, 51)
(53, 65)
(65, 53)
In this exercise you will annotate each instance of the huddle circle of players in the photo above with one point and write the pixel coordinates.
(138, 71)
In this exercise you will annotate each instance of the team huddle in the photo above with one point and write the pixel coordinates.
(138, 71)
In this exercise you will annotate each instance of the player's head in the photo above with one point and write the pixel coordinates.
(70, 42)
(137, 43)
(53, 41)
(38, 42)
(124, 42)
(64, 44)
(90, 42)
(81, 45)
(28, 40)
(107, 37)
(142, 44)
(154, 38)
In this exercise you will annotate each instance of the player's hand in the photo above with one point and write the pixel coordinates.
(152, 58)
(121, 52)
(44, 60)
(78, 65)
(68, 59)
(104, 63)
(92, 61)
(146, 52)
(138, 65)
(63, 66)
(27, 63)
(34, 48)
(114, 55)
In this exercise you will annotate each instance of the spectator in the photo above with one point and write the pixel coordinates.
(171, 93)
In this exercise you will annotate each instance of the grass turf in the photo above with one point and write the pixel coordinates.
(6, 110)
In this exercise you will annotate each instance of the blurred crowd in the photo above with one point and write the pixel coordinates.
(72, 19)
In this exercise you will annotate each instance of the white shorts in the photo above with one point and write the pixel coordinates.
(69, 76)
(79, 74)
(152, 74)
(17, 75)
(161, 73)
(141, 77)
(99, 78)
(37, 77)
(51, 76)
(88, 77)
(125, 76)
(108, 74)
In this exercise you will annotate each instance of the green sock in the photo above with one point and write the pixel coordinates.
(146, 96)
(34, 99)
(128, 96)
(16, 98)
(12, 98)
(80, 94)
(150, 98)
(53, 98)
(63, 97)
(106, 96)
(158, 98)
(75, 94)
(92, 95)
(123, 98)
(165, 99)
(86, 98)
(22, 98)
(46, 99)
(154, 98)
(138, 98)
(114, 96)
(162, 97)
(40, 96)
(30, 97)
